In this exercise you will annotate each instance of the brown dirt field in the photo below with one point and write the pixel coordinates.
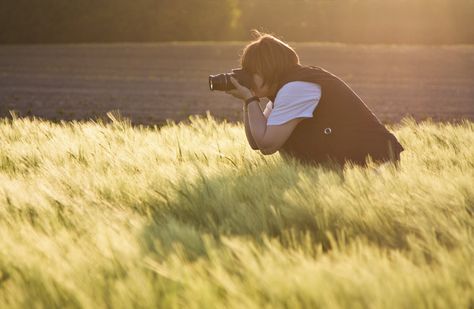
(150, 83)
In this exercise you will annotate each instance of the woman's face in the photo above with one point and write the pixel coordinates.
(260, 91)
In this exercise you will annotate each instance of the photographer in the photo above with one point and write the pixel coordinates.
(312, 114)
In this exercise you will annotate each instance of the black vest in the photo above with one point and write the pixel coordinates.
(342, 127)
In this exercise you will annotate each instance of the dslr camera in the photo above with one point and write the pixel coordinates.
(222, 81)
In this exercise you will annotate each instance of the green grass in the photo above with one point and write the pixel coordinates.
(98, 214)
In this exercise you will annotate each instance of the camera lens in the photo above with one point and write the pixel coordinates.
(221, 82)
(211, 86)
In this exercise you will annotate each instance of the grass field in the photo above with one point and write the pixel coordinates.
(105, 214)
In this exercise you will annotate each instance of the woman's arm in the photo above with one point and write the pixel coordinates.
(248, 133)
(247, 129)
(269, 139)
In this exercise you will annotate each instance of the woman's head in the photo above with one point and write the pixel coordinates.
(267, 59)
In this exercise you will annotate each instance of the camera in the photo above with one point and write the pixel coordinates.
(222, 81)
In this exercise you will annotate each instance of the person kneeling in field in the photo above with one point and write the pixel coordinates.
(311, 115)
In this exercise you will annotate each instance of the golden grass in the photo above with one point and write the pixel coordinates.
(98, 214)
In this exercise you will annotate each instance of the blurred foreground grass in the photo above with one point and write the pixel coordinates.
(102, 214)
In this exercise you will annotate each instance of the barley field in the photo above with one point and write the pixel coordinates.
(103, 214)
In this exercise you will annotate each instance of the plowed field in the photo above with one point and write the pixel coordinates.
(150, 83)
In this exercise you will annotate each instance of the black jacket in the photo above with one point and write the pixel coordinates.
(342, 127)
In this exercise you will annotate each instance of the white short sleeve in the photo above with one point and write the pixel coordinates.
(293, 100)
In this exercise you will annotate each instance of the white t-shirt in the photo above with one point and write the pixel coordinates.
(293, 100)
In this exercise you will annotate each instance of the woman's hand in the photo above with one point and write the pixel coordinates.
(240, 92)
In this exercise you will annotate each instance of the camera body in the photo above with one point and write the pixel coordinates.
(222, 81)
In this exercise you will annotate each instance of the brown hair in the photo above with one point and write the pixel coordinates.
(269, 57)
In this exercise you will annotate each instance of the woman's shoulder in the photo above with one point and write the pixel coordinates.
(299, 89)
